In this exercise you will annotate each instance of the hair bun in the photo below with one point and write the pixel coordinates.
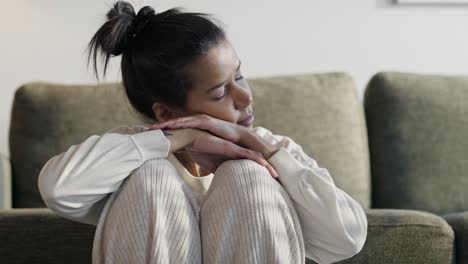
(145, 11)
(121, 9)
(142, 18)
(117, 33)
(118, 28)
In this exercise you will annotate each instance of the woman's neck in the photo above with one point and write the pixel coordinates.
(190, 165)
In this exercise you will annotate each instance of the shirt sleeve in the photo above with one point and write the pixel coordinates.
(334, 225)
(76, 183)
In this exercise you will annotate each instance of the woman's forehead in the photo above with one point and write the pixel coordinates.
(218, 65)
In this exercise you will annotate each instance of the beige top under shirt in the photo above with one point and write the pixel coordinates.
(198, 184)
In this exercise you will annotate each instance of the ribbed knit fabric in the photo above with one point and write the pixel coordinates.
(246, 217)
(152, 218)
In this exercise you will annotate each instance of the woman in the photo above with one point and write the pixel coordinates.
(201, 185)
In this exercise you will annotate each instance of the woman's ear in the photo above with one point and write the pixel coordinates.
(163, 113)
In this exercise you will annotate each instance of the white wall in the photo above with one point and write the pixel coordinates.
(46, 39)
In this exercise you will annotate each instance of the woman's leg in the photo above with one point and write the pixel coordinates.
(153, 219)
(248, 217)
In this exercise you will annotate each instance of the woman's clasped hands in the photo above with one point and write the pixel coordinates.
(211, 141)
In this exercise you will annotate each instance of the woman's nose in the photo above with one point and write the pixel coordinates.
(243, 97)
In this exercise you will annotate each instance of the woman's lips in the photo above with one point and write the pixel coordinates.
(247, 122)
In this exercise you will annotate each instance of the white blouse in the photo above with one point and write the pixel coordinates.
(77, 183)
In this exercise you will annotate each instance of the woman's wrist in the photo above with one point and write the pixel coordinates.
(255, 142)
(178, 139)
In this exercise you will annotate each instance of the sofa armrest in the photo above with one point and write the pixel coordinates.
(459, 223)
(405, 236)
(41, 236)
(5, 182)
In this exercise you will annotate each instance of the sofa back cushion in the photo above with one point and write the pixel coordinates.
(417, 126)
(48, 118)
(320, 112)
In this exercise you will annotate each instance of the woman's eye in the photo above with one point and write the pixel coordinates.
(225, 89)
(220, 97)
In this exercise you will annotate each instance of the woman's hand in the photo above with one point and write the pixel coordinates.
(210, 151)
(234, 133)
(221, 128)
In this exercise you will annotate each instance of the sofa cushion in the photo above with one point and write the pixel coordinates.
(319, 111)
(405, 236)
(394, 236)
(417, 127)
(48, 118)
(459, 223)
(322, 113)
(40, 236)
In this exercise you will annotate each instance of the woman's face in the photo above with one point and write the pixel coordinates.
(219, 88)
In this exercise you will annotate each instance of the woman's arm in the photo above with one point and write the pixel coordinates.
(75, 183)
(334, 225)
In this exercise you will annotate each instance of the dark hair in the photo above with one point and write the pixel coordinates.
(156, 51)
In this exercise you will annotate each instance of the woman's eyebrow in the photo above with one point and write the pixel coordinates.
(221, 84)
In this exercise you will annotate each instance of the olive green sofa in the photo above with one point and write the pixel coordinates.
(400, 153)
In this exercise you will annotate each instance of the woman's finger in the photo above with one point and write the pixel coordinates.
(257, 157)
(184, 119)
(167, 124)
(161, 125)
(272, 170)
(267, 165)
(192, 123)
(219, 146)
(181, 124)
(199, 120)
(260, 160)
(235, 151)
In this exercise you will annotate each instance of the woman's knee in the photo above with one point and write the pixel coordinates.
(153, 176)
(242, 171)
(247, 182)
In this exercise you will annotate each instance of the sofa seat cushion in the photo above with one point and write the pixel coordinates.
(41, 236)
(405, 236)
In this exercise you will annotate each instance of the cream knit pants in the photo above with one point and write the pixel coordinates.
(246, 217)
